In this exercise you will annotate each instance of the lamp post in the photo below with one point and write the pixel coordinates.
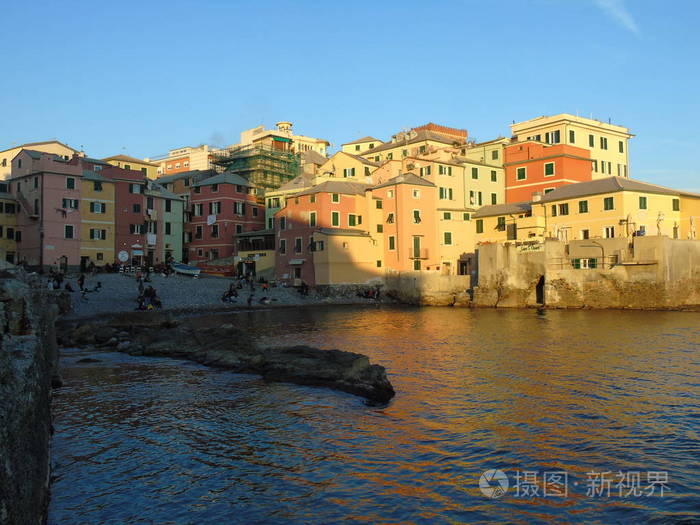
(602, 251)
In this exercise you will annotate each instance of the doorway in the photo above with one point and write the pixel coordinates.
(539, 291)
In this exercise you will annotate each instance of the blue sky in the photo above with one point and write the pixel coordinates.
(144, 77)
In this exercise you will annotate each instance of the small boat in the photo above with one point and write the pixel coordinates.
(185, 269)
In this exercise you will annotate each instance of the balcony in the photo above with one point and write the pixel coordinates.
(421, 253)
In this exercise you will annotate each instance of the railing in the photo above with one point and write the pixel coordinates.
(421, 253)
(584, 263)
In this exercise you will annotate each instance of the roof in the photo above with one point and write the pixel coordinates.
(363, 139)
(299, 183)
(154, 187)
(127, 158)
(36, 155)
(25, 146)
(223, 178)
(343, 231)
(91, 175)
(420, 136)
(608, 185)
(362, 159)
(95, 161)
(405, 178)
(337, 186)
(313, 157)
(184, 174)
(502, 209)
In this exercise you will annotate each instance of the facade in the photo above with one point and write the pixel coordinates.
(417, 142)
(613, 207)
(183, 159)
(283, 133)
(255, 251)
(608, 143)
(8, 225)
(150, 169)
(50, 146)
(221, 207)
(533, 167)
(358, 146)
(97, 211)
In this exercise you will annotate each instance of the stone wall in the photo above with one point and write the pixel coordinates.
(649, 273)
(28, 358)
(428, 288)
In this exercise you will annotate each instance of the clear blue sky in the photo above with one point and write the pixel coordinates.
(144, 77)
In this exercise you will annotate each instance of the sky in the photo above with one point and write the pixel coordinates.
(140, 78)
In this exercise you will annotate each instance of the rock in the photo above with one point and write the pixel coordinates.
(84, 334)
(88, 360)
(123, 345)
(104, 334)
(112, 342)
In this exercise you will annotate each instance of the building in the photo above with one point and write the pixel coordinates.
(613, 207)
(283, 132)
(221, 207)
(363, 144)
(255, 252)
(97, 225)
(50, 146)
(8, 224)
(533, 167)
(150, 169)
(275, 200)
(417, 142)
(608, 143)
(183, 159)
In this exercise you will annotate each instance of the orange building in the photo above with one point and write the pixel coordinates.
(534, 167)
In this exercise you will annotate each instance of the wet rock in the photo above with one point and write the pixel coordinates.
(104, 334)
(89, 360)
(84, 334)
(123, 345)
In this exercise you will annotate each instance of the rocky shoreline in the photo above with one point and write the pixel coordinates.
(230, 347)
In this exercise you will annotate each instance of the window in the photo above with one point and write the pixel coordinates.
(335, 197)
(348, 172)
(424, 171)
(422, 149)
(335, 218)
(36, 206)
(572, 136)
(317, 246)
(416, 194)
(378, 204)
(608, 203)
(501, 224)
(479, 226)
(548, 190)
(312, 218)
(97, 186)
(11, 233)
(466, 216)
(297, 245)
(552, 137)
(676, 205)
(479, 199)
(591, 141)
(98, 207)
(68, 231)
(198, 232)
(380, 228)
(100, 256)
(357, 147)
(404, 153)
(583, 206)
(214, 188)
(18, 236)
(215, 231)
(312, 198)
(564, 209)
(149, 203)
(549, 169)
(214, 208)
(416, 216)
(494, 177)
(390, 218)
(168, 228)
(554, 210)
(447, 238)
(609, 232)
(642, 203)
(444, 170)
(416, 264)
(475, 173)
(585, 234)
(621, 146)
(136, 208)
(271, 223)
(70, 183)
(198, 189)
(240, 189)
(98, 234)
(367, 171)
(239, 228)
(352, 219)
(168, 205)
(379, 264)
(494, 155)
(390, 194)
(521, 173)
(66, 203)
(494, 198)
(283, 223)
(134, 188)
(36, 182)
(446, 216)
(392, 242)
(283, 246)
(445, 193)
(239, 208)
(603, 143)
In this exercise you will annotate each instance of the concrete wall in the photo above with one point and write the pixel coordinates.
(428, 288)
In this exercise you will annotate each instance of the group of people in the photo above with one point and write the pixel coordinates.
(242, 282)
(56, 279)
(371, 293)
(148, 297)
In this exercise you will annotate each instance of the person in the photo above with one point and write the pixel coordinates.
(265, 286)
(250, 300)
(68, 287)
(97, 287)
(140, 283)
(81, 281)
(264, 300)
(50, 285)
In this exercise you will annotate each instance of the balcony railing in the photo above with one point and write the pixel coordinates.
(422, 253)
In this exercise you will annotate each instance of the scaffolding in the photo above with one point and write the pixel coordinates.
(263, 166)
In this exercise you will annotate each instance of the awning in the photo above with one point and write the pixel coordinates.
(281, 139)
(295, 262)
(135, 253)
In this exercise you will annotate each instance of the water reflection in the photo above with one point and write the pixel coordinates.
(163, 441)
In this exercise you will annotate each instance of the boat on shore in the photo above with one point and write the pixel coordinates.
(184, 269)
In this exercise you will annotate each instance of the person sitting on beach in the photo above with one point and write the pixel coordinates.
(81, 281)
(264, 300)
(68, 288)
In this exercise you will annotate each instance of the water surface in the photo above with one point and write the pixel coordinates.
(151, 440)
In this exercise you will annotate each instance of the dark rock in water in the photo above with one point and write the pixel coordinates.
(88, 360)
(104, 333)
(229, 347)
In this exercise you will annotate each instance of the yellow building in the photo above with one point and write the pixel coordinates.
(150, 169)
(8, 226)
(356, 147)
(97, 214)
(411, 143)
(608, 143)
(49, 146)
(604, 208)
(489, 152)
(346, 166)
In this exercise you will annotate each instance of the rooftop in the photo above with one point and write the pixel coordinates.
(608, 185)
(224, 178)
(502, 209)
(418, 136)
(337, 186)
(405, 178)
(363, 139)
(127, 158)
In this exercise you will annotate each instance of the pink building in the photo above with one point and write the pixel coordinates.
(221, 207)
(47, 188)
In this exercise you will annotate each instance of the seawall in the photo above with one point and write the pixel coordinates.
(28, 363)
